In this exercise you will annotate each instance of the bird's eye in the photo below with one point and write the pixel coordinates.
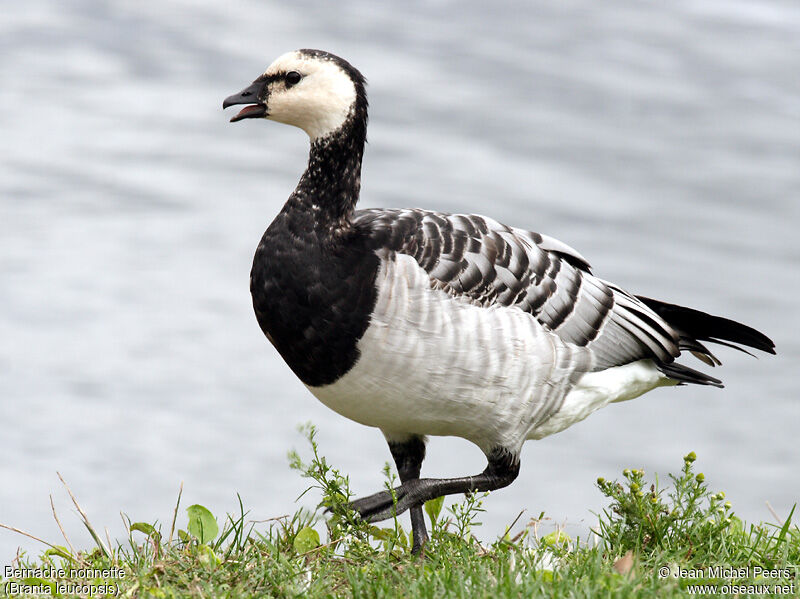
(293, 77)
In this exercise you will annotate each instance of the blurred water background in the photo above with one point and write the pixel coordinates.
(662, 140)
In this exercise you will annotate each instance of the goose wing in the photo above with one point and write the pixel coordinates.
(488, 263)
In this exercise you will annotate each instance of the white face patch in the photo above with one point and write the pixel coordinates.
(319, 104)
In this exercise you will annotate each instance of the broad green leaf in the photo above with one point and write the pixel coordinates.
(433, 508)
(147, 529)
(207, 556)
(306, 540)
(557, 538)
(202, 523)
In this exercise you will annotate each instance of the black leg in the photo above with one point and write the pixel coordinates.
(408, 456)
(501, 471)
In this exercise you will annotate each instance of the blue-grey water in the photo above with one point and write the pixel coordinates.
(662, 140)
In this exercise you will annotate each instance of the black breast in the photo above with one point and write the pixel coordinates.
(313, 294)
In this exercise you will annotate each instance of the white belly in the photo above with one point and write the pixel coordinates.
(432, 364)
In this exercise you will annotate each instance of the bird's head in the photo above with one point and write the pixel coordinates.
(310, 89)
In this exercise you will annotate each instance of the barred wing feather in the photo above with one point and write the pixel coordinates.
(489, 263)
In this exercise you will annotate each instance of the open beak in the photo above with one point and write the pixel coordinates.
(250, 95)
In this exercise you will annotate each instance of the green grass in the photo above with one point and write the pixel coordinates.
(650, 542)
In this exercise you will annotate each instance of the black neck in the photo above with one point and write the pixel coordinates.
(330, 185)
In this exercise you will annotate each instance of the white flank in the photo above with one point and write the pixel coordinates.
(597, 389)
(433, 364)
(319, 104)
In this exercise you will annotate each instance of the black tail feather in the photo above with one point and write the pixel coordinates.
(736, 347)
(699, 351)
(693, 327)
(706, 327)
(684, 374)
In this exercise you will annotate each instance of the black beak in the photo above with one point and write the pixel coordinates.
(255, 95)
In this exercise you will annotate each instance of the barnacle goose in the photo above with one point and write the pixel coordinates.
(424, 323)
